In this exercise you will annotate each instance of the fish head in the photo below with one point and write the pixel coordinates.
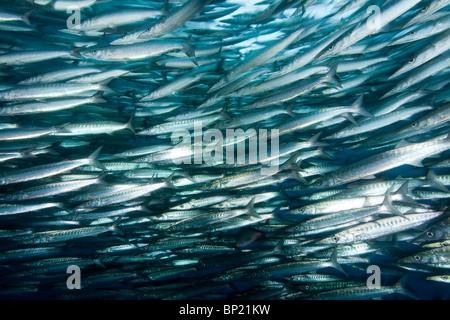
(321, 183)
(411, 260)
(96, 54)
(339, 238)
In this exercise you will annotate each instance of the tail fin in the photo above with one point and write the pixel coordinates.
(26, 16)
(401, 288)
(103, 86)
(332, 77)
(97, 98)
(387, 203)
(289, 111)
(251, 210)
(335, 264)
(432, 178)
(130, 124)
(359, 109)
(314, 140)
(402, 191)
(190, 52)
(114, 227)
(93, 159)
(169, 183)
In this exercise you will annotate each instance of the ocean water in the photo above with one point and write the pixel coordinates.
(120, 179)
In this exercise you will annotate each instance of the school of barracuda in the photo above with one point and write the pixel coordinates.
(358, 91)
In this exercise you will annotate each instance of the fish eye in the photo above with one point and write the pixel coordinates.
(445, 277)
(414, 124)
(331, 47)
(412, 60)
(417, 258)
(307, 287)
(9, 196)
(412, 33)
(335, 238)
(424, 9)
(430, 234)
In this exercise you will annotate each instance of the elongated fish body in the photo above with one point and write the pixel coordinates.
(51, 189)
(132, 52)
(379, 122)
(50, 91)
(121, 196)
(243, 150)
(18, 58)
(412, 154)
(379, 228)
(113, 19)
(47, 170)
(174, 20)
(50, 106)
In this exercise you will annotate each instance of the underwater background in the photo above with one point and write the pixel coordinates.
(115, 182)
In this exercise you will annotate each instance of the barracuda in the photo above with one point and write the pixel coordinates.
(48, 170)
(412, 154)
(379, 228)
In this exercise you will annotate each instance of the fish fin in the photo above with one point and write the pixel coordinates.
(297, 176)
(93, 159)
(76, 52)
(432, 178)
(279, 247)
(323, 154)
(401, 287)
(289, 111)
(300, 8)
(332, 78)
(314, 140)
(100, 262)
(115, 227)
(97, 98)
(169, 183)
(164, 8)
(350, 118)
(190, 52)
(101, 178)
(402, 192)
(27, 152)
(186, 175)
(415, 163)
(251, 210)
(145, 209)
(335, 264)
(26, 16)
(103, 85)
(387, 203)
(291, 163)
(358, 108)
(130, 124)
(283, 192)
